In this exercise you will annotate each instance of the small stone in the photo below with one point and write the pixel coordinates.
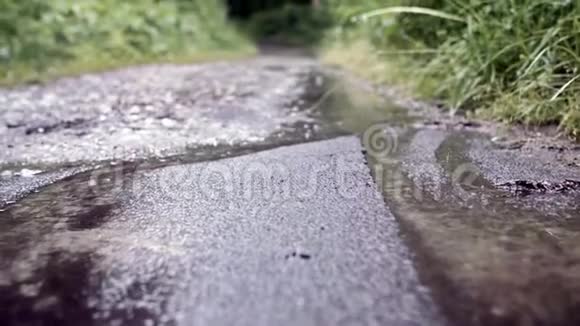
(305, 256)
(504, 143)
(319, 81)
(134, 110)
(6, 174)
(470, 124)
(133, 117)
(14, 119)
(27, 173)
(168, 123)
(46, 304)
(498, 311)
(30, 290)
(104, 109)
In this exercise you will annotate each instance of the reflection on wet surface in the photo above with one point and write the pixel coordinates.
(60, 262)
(492, 258)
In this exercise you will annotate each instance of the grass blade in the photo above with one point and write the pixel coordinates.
(563, 88)
(411, 10)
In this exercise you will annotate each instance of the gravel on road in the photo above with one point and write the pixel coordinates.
(152, 110)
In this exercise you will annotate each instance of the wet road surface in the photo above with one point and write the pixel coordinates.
(151, 111)
(256, 240)
(282, 223)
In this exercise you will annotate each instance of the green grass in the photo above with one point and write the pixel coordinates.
(363, 59)
(515, 60)
(40, 39)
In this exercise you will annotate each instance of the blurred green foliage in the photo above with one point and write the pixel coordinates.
(38, 34)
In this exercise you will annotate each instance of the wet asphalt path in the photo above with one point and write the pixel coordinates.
(297, 235)
(293, 236)
(235, 194)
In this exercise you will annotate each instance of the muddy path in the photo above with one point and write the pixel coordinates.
(241, 193)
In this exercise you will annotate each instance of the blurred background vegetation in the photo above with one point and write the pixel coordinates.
(41, 38)
(283, 22)
(511, 60)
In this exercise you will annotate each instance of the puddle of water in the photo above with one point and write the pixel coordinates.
(489, 258)
(56, 298)
(352, 108)
(52, 246)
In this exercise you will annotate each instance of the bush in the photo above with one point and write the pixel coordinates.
(39, 34)
(517, 61)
